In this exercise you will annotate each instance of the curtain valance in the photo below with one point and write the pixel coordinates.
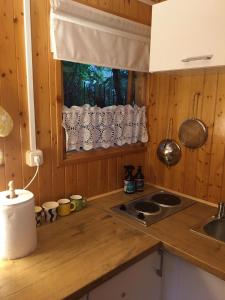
(83, 34)
(89, 127)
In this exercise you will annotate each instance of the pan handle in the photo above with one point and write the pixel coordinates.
(170, 129)
(195, 104)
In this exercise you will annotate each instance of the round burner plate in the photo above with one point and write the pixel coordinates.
(166, 200)
(147, 208)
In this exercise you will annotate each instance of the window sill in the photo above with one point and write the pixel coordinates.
(75, 157)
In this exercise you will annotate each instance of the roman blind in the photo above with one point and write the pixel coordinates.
(83, 34)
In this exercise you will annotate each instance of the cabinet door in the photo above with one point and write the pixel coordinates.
(138, 282)
(187, 34)
(184, 281)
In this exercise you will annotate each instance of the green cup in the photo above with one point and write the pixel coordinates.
(78, 201)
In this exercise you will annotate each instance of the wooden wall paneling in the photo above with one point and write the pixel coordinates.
(58, 173)
(112, 173)
(173, 110)
(82, 179)
(169, 108)
(152, 120)
(70, 180)
(120, 171)
(161, 122)
(135, 160)
(40, 33)
(181, 111)
(207, 116)
(105, 5)
(104, 175)
(191, 156)
(9, 94)
(140, 88)
(130, 9)
(2, 167)
(201, 171)
(94, 178)
(27, 171)
(216, 178)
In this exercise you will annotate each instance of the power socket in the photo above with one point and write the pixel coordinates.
(31, 156)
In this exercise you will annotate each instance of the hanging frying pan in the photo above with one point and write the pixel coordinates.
(168, 151)
(193, 132)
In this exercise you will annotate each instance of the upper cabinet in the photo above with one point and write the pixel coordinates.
(187, 34)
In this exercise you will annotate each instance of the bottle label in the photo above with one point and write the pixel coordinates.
(139, 185)
(129, 186)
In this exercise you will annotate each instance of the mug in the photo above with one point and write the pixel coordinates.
(38, 215)
(78, 201)
(65, 207)
(50, 209)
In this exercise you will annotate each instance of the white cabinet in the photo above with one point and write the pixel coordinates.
(184, 281)
(187, 34)
(138, 282)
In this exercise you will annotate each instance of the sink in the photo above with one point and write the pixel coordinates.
(215, 229)
(212, 228)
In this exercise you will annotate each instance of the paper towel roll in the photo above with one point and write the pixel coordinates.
(18, 236)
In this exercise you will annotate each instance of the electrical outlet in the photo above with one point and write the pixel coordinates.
(31, 156)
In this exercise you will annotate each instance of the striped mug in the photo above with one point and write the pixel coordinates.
(50, 210)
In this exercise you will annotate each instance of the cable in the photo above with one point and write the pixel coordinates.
(37, 160)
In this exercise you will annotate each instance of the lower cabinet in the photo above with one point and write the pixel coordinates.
(184, 281)
(180, 281)
(138, 282)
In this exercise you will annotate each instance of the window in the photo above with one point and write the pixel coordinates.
(82, 34)
(136, 85)
(96, 114)
(90, 84)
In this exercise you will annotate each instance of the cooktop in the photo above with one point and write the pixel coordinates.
(153, 207)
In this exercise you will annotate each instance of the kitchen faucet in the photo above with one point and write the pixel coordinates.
(220, 211)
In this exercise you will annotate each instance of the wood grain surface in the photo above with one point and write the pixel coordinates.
(74, 254)
(90, 177)
(200, 172)
(79, 252)
(174, 231)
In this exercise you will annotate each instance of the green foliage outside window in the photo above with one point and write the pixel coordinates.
(90, 84)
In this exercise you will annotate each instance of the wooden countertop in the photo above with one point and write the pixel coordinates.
(175, 234)
(80, 251)
(74, 254)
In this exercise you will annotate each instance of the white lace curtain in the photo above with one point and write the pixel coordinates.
(94, 127)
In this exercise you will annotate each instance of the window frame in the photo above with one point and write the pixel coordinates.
(63, 157)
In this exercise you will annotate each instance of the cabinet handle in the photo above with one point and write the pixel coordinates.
(194, 58)
(159, 271)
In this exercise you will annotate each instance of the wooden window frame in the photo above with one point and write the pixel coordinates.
(63, 157)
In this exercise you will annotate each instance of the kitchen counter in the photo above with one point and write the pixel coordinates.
(74, 254)
(175, 234)
(79, 252)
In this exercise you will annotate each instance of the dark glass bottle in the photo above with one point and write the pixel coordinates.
(139, 180)
(129, 182)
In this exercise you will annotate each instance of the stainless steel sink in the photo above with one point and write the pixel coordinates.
(216, 229)
(213, 228)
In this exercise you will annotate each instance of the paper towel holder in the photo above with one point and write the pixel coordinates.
(12, 193)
